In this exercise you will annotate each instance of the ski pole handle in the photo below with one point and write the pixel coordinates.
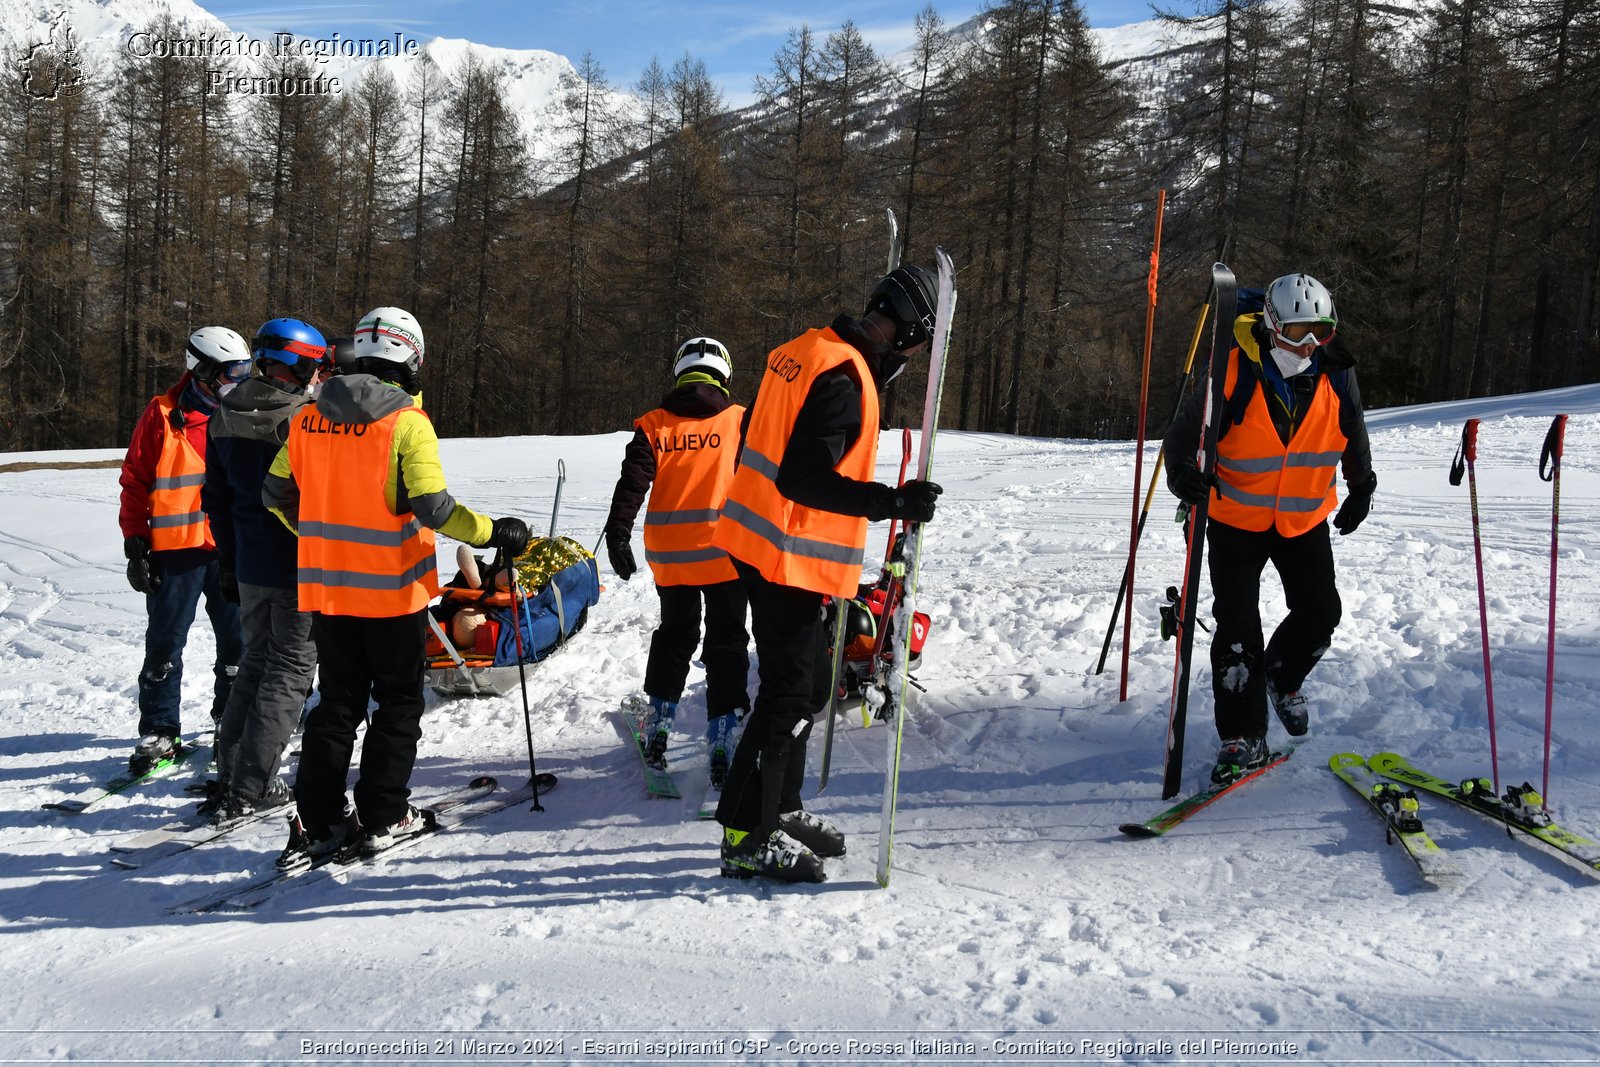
(1550, 456)
(561, 479)
(1466, 453)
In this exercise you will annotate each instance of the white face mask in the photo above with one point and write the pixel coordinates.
(1290, 363)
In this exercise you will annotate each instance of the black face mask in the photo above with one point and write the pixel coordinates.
(890, 364)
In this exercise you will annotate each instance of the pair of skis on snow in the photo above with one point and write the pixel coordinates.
(482, 796)
(1389, 783)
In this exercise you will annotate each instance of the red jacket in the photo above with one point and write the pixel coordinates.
(139, 465)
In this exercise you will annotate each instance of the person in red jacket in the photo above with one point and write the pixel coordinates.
(681, 457)
(171, 556)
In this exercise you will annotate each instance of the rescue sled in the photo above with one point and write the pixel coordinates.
(473, 647)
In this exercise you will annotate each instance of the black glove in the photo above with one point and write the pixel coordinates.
(914, 501)
(1188, 484)
(228, 581)
(1357, 502)
(142, 572)
(510, 535)
(620, 551)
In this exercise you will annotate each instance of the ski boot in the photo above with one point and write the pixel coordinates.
(415, 821)
(745, 854)
(656, 729)
(151, 750)
(305, 850)
(819, 835)
(1237, 757)
(721, 741)
(1292, 709)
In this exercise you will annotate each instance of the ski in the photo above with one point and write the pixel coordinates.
(1398, 808)
(1520, 809)
(180, 836)
(658, 781)
(841, 609)
(182, 754)
(890, 579)
(891, 677)
(1183, 809)
(474, 801)
(1226, 290)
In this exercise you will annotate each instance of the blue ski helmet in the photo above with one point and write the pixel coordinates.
(295, 344)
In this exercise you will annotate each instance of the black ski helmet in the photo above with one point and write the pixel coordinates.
(342, 354)
(908, 295)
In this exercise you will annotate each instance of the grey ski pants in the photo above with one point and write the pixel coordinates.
(270, 690)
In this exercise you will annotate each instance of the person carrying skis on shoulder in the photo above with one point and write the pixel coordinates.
(682, 457)
(359, 480)
(1292, 411)
(259, 570)
(172, 558)
(795, 523)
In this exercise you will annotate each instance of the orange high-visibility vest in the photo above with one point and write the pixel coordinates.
(788, 543)
(356, 556)
(176, 520)
(694, 468)
(1264, 483)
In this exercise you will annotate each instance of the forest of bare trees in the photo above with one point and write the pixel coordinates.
(1438, 166)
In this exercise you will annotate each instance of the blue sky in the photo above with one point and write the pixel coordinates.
(735, 40)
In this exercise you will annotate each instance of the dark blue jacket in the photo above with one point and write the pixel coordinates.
(248, 429)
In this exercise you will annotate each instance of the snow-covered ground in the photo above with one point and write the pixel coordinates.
(1019, 918)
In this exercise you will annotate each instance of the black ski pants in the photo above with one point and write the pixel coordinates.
(795, 672)
(1240, 663)
(357, 658)
(726, 653)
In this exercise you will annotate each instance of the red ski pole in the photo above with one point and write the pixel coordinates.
(1466, 458)
(1138, 452)
(1550, 471)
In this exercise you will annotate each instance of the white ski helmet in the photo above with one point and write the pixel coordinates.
(216, 352)
(706, 354)
(1300, 298)
(387, 336)
(389, 333)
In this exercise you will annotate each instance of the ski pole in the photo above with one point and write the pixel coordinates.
(1550, 471)
(522, 679)
(1466, 458)
(1155, 475)
(561, 479)
(1138, 452)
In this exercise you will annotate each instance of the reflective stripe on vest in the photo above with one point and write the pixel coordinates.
(694, 468)
(176, 520)
(791, 544)
(356, 556)
(1264, 483)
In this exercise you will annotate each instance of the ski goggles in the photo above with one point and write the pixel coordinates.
(218, 374)
(1298, 333)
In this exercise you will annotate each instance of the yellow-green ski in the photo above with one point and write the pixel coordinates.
(1399, 809)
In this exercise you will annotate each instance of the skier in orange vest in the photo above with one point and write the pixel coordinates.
(682, 456)
(795, 523)
(1292, 415)
(172, 558)
(360, 482)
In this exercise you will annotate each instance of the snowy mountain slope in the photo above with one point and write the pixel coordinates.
(1018, 913)
(103, 32)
